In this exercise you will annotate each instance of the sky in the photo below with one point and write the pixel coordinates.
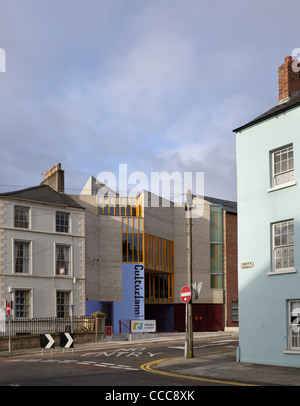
(156, 85)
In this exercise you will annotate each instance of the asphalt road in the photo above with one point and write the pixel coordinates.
(109, 366)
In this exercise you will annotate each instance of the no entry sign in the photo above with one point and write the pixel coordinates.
(186, 294)
(8, 308)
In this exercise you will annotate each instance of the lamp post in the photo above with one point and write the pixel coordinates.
(189, 203)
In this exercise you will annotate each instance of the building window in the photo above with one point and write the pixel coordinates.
(216, 247)
(21, 217)
(21, 256)
(63, 304)
(283, 166)
(62, 259)
(234, 311)
(62, 222)
(283, 246)
(159, 288)
(22, 303)
(132, 239)
(159, 254)
(119, 206)
(294, 325)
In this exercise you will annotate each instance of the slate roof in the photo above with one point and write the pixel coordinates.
(43, 194)
(227, 205)
(273, 112)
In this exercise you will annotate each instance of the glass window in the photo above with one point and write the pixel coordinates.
(132, 239)
(21, 257)
(22, 303)
(283, 166)
(62, 259)
(283, 245)
(141, 259)
(62, 222)
(124, 244)
(63, 304)
(130, 246)
(234, 311)
(294, 325)
(21, 217)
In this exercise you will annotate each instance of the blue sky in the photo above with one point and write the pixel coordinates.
(158, 85)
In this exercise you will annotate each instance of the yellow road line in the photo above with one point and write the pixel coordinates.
(147, 367)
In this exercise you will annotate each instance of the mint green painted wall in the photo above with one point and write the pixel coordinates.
(263, 314)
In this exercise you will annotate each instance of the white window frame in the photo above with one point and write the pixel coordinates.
(283, 243)
(67, 306)
(294, 325)
(19, 206)
(63, 225)
(14, 241)
(286, 174)
(70, 267)
(29, 305)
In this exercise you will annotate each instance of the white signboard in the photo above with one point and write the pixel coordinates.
(246, 265)
(143, 326)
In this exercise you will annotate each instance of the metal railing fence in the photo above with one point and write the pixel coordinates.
(25, 326)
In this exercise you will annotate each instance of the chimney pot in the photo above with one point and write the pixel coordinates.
(54, 177)
(288, 79)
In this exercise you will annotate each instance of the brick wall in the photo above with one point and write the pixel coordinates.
(231, 266)
(288, 79)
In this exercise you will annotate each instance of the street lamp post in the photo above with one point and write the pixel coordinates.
(189, 201)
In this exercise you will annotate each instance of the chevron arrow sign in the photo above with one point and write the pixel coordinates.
(47, 341)
(66, 340)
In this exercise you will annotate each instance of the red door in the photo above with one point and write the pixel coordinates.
(206, 317)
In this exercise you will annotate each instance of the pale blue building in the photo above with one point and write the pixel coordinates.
(268, 175)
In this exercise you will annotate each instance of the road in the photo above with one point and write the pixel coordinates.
(107, 365)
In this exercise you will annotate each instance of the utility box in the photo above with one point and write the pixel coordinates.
(108, 331)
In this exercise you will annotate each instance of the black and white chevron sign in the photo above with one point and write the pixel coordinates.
(66, 340)
(47, 341)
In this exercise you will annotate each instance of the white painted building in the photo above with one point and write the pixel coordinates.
(42, 253)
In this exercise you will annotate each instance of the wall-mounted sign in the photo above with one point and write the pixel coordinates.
(246, 265)
(132, 306)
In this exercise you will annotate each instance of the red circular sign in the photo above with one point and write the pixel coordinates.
(186, 294)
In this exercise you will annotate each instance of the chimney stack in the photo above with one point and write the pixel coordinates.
(55, 178)
(289, 79)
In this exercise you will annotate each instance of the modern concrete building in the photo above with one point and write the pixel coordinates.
(268, 166)
(42, 251)
(136, 259)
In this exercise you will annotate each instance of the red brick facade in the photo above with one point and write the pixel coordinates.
(231, 278)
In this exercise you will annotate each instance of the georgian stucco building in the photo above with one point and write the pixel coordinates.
(42, 261)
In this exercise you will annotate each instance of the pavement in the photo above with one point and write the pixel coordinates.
(218, 364)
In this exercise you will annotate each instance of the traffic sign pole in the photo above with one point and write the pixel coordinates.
(186, 295)
(9, 332)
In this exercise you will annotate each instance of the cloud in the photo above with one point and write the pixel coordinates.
(156, 85)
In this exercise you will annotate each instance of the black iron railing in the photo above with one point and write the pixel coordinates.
(26, 326)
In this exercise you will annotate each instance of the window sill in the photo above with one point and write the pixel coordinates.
(283, 271)
(292, 351)
(283, 186)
